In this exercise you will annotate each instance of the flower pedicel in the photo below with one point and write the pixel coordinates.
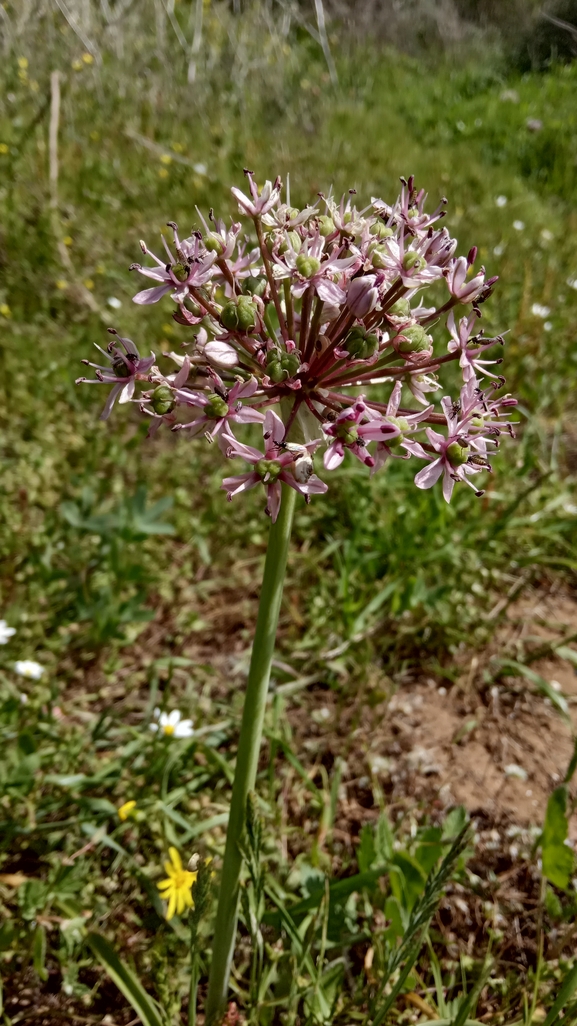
(303, 333)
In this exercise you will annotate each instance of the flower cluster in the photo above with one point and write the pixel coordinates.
(320, 314)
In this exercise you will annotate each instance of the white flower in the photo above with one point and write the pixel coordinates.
(499, 249)
(6, 632)
(114, 302)
(28, 668)
(518, 226)
(540, 311)
(172, 724)
(546, 235)
(501, 201)
(572, 283)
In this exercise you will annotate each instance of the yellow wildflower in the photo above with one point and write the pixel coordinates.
(4, 148)
(177, 888)
(163, 173)
(88, 58)
(23, 63)
(88, 283)
(166, 158)
(125, 810)
(61, 284)
(178, 147)
(5, 310)
(68, 240)
(77, 65)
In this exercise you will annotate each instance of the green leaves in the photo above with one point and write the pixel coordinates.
(126, 981)
(557, 858)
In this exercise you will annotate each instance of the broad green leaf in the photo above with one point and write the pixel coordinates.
(126, 981)
(557, 857)
(366, 849)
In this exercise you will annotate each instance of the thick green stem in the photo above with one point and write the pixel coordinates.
(248, 753)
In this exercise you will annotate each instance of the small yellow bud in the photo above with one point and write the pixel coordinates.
(61, 284)
(88, 58)
(4, 148)
(77, 65)
(163, 173)
(5, 310)
(23, 63)
(68, 240)
(125, 810)
(166, 158)
(88, 283)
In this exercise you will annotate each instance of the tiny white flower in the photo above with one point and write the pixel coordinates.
(23, 698)
(114, 302)
(6, 632)
(172, 724)
(501, 201)
(28, 668)
(519, 226)
(200, 169)
(540, 311)
(546, 235)
(548, 326)
(572, 283)
(499, 249)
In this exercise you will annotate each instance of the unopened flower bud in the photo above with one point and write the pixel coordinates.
(307, 265)
(457, 454)
(362, 295)
(360, 344)
(413, 261)
(326, 225)
(162, 400)
(413, 339)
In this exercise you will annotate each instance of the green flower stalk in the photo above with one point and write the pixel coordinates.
(248, 752)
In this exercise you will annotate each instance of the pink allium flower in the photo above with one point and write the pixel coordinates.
(280, 462)
(261, 203)
(126, 366)
(221, 407)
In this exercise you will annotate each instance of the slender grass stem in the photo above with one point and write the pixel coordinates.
(248, 753)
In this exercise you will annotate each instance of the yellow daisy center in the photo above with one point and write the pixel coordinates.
(169, 728)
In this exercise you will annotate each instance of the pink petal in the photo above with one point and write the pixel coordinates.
(428, 476)
(274, 494)
(334, 456)
(448, 485)
(240, 483)
(151, 295)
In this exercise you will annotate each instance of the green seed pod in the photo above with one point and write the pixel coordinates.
(246, 313)
(291, 213)
(229, 316)
(413, 339)
(214, 244)
(380, 230)
(412, 261)
(361, 344)
(295, 240)
(378, 257)
(269, 470)
(457, 454)
(162, 400)
(290, 362)
(217, 407)
(326, 225)
(307, 265)
(120, 368)
(180, 271)
(402, 308)
(254, 286)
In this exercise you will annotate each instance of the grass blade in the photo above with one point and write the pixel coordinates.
(126, 981)
(566, 991)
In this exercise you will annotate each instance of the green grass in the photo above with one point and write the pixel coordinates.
(108, 590)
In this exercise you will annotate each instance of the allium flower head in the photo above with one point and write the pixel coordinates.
(315, 324)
